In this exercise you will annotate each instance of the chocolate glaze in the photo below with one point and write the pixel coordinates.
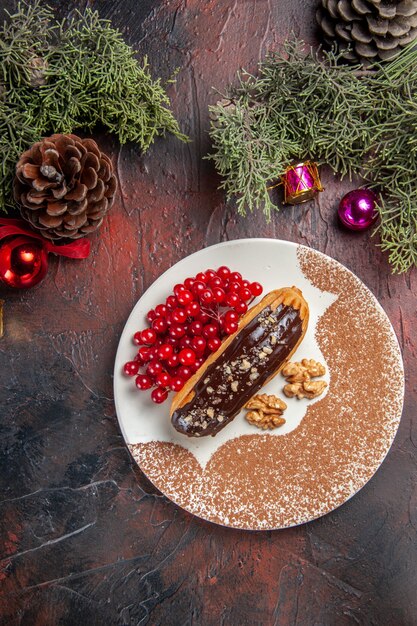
(239, 372)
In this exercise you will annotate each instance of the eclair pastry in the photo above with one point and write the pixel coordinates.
(268, 334)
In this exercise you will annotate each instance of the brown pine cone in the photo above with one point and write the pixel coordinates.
(64, 186)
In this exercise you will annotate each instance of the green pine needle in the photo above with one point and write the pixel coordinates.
(60, 77)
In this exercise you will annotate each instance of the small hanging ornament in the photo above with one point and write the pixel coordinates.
(358, 209)
(24, 254)
(301, 182)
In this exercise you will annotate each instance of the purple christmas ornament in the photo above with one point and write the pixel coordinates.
(357, 209)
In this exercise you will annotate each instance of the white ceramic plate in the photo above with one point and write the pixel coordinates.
(328, 448)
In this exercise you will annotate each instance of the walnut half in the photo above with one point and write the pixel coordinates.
(307, 389)
(266, 411)
(299, 375)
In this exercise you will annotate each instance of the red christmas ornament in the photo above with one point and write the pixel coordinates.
(24, 253)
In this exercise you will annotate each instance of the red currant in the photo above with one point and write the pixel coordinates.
(163, 379)
(185, 372)
(193, 309)
(179, 316)
(177, 383)
(219, 294)
(245, 283)
(185, 297)
(173, 361)
(165, 351)
(179, 289)
(153, 353)
(159, 395)
(245, 293)
(201, 277)
(196, 327)
(234, 287)
(144, 353)
(148, 336)
(185, 342)
(210, 330)
(187, 356)
(232, 299)
(177, 331)
(198, 363)
(161, 310)
(172, 341)
(223, 272)
(241, 307)
(207, 296)
(214, 344)
(150, 316)
(230, 327)
(143, 382)
(231, 316)
(256, 289)
(204, 317)
(138, 359)
(189, 282)
(198, 287)
(209, 275)
(160, 325)
(198, 344)
(131, 368)
(137, 338)
(236, 277)
(216, 282)
(154, 368)
(171, 302)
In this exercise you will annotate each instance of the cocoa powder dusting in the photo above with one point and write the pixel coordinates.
(263, 481)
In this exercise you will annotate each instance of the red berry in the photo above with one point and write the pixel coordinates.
(163, 379)
(236, 277)
(216, 282)
(234, 287)
(143, 382)
(185, 297)
(179, 289)
(231, 316)
(150, 316)
(154, 368)
(131, 368)
(204, 317)
(172, 341)
(256, 289)
(245, 283)
(179, 316)
(159, 395)
(219, 294)
(148, 336)
(161, 310)
(165, 351)
(171, 302)
(137, 338)
(207, 296)
(245, 293)
(173, 361)
(201, 277)
(198, 344)
(230, 327)
(223, 272)
(193, 309)
(144, 353)
(185, 372)
(138, 359)
(177, 383)
(209, 275)
(210, 330)
(177, 331)
(196, 327)
(198, 287)
(185, 342)
(160, 325)
(198, 363)
(189, 282)
(214, 344)
(187, 356)
(232, 299)
(241, 307)
(153, 353)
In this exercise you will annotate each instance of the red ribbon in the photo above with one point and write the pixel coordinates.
(79, 249)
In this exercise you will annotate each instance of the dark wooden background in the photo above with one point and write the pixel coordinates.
(86, 539)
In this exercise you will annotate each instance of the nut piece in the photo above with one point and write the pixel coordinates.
(265, 411)
(306, 389)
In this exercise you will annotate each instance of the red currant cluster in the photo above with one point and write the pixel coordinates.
(185, 330)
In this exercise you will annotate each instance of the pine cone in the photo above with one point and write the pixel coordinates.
(368, 31)
(64, 186)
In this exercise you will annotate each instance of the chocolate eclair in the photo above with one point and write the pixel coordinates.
(267, 336)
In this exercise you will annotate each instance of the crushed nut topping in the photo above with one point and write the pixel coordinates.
(267, 350)
(210, 390)
(299, 375)
(245, 365)
(210, 412)
(234, 385)
(220, 418)
(266, 411)
(273, 340)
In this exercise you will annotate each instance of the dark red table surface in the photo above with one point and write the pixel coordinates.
(85, 538)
